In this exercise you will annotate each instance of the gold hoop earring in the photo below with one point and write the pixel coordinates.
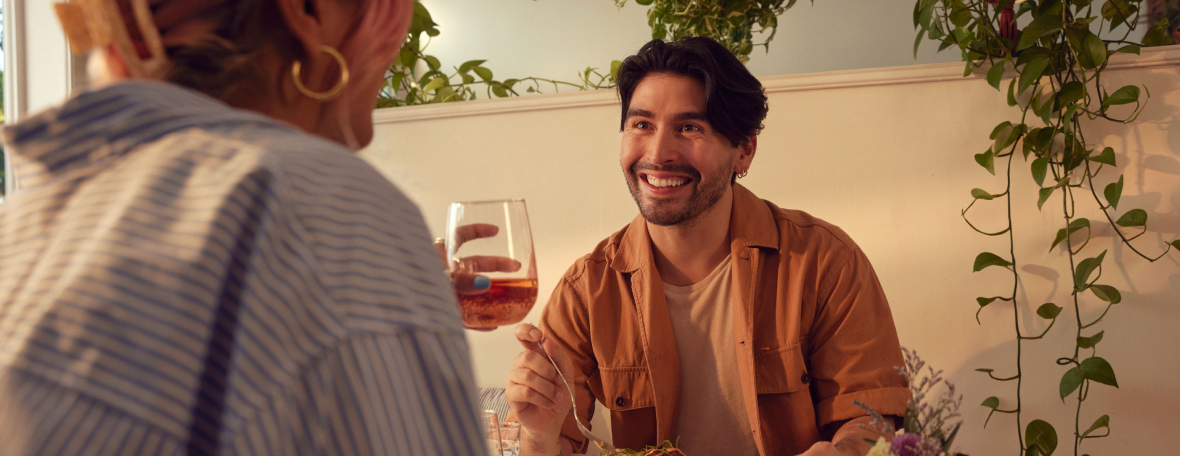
(330, 93)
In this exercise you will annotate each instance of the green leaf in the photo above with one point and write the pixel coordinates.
(614, 69)
(1175, 244)
(960, 15)
(1107, 156)
(1070, 92)
(1085, 268)
(996, 73)
(1124, 95)
(1074, 226)
(1107, 293)
(1012, 92)
(408, 56)
(1042, 436)
(918, 42)
(987, 371)
(644, 2)
(983, 302)
(1000, 127)
(991, 403)
(1039, 167)
(1098, 370)
(1004, 137)
(987, 160)
(988, 259)
(1128, 49)
(1039, 27)
(1070, 382)
(979, 193)
(1134, 217)
(467, 78)
(483, 73)
(1048, 311)
(1095, 48)
(1032, 72)
(432, 62)
(1102, 422)
(468, 65)
(499, 90)
(1113, 193)
(1157, 35)
(1090, 342)
(1045, 193)
(434, 84)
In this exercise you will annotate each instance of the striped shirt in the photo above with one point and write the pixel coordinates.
(177, 276)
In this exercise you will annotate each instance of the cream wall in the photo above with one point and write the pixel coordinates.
(887, 155)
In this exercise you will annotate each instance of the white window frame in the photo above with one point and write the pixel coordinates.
(34, 44)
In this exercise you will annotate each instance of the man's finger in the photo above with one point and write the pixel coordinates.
(535, 362)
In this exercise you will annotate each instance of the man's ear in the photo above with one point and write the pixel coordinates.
(746, 154)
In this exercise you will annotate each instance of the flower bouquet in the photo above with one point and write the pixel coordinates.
(930, 426)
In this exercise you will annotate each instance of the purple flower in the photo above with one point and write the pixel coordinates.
(907, 445)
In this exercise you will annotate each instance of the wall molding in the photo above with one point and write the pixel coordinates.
(870, 77)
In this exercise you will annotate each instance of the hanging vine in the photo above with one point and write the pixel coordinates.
(1059, 63)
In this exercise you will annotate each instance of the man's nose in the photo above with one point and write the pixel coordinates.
(662, 148)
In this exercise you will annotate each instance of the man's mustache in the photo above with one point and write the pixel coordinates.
(683, 169)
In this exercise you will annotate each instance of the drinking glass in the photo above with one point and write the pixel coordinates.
(492, 239)
(503, 438)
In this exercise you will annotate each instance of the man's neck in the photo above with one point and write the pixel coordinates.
(686, 253)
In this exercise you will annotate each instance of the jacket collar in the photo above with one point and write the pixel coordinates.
(751, 224)
(111, 121)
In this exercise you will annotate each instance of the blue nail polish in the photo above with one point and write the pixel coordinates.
(482, 283)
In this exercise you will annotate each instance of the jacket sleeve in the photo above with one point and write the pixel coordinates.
(854, 347)
(566, 320)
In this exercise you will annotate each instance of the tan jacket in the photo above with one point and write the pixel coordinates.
(812, 327)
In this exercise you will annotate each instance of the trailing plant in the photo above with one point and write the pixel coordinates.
(419, 78)
(730, 22)
(1059, 63)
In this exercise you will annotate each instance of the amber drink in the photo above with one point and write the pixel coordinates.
(490, 241)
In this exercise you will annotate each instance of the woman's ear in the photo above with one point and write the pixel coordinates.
(304, 18)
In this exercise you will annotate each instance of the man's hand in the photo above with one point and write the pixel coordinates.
(848, 441)
(535, 392)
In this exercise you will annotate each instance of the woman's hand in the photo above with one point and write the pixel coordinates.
(537, 395)
(465, 272)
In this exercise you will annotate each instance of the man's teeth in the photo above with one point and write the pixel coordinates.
(656, 182)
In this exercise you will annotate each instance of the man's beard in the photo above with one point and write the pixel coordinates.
(659, 211)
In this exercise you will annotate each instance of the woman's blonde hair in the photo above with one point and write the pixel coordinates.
(206, 45)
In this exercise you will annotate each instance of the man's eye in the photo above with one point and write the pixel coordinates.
(691, 127)
(642, 124)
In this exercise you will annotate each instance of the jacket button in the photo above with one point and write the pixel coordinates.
(806, 378)
(620, 401)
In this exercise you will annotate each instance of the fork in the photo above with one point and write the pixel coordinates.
(602, 444)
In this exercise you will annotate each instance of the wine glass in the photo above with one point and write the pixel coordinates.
(492, 239)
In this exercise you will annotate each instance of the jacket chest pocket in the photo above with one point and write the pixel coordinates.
(781, 371)
(623, 388)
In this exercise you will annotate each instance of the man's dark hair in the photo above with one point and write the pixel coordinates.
(735, 104)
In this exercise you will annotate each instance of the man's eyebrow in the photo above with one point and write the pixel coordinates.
(638, 112)
(692, 116)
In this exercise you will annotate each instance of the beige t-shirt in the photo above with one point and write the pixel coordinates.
(712, 417)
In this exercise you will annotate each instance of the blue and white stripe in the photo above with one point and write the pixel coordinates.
(177, 276)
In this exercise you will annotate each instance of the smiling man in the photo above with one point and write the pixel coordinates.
(715, 320)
